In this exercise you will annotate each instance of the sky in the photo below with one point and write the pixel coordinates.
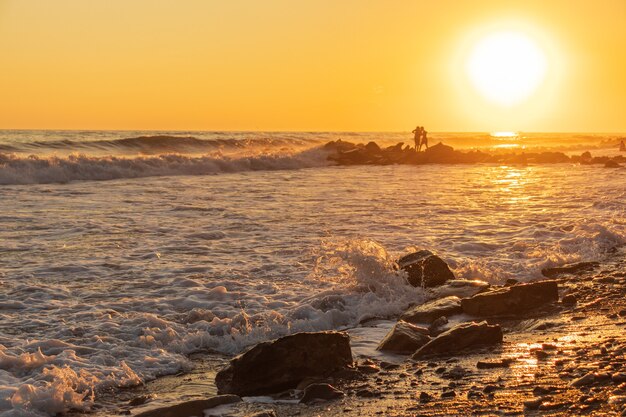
(308, 65)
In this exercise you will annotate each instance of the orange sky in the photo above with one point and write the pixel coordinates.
(301, 65)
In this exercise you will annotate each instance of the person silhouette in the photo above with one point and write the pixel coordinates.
(417, 136)
(622, 146)
(424, 141)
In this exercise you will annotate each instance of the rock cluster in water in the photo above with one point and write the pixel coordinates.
(347, 153)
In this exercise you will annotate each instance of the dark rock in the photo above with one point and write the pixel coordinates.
(281, 364)
(585, 380)
(612, 164)
(618, 377)
(533, 404)
(425, 269)
(448, 394)
(442, 154)
(569, 269)
(462, 288)
(432, 310)
(368, 369)
(191, 408)
(320, 392)
(489, 389)
(502, 363)
(425, 397)
(404, 338)
(367, 393)
(511, 300)
(569, 299)
(460, 337)
(438, 326)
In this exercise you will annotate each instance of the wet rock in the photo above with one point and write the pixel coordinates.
(432, 310)
(448, 394)
(141, 400)
(618, 377)
(367, 393)
(425, 397)
(502, 363)
(533, 404)
(511, 300)
(404, 338)
(569, 299)
(460, 287)
(585, 380)
(191, 408)
(490, 389)
(461, 337)
(438, 326)
(425, 269)
(368, 369)
(612, 164)
(320, 392)
(576, 268)
(281, 364)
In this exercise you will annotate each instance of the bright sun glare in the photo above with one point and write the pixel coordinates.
(506, 67)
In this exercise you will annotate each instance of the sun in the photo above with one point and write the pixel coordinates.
(506, 67)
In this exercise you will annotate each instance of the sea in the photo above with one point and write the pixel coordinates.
(125, 253)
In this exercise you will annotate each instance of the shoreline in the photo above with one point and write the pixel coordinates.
(549, 348)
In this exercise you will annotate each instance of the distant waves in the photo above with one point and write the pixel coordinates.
(15, 169)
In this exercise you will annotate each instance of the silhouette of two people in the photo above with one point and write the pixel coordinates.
(420, 135)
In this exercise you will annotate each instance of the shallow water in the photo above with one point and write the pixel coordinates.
(111, 283)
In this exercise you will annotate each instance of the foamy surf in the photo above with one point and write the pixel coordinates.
(355, 279)
(16, 169)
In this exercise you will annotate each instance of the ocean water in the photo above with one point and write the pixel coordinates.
(122, 253)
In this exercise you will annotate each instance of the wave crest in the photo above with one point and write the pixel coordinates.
(55, 169)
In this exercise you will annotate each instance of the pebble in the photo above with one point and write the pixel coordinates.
(448, 394)
(585, 380)
(425, 397)
(533, 404)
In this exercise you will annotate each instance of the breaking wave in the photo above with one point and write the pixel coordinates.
(15, 169)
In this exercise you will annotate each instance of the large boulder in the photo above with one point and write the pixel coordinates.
(404, 338)
(461, 337)
(513, 300)
(281, 364)
(432, 310)
(425, 269)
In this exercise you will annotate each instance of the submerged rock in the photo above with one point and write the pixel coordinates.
(193, 408)
(425, 269)
(432, 310)
(404, 338)
(511, 300)
(281, 364)
(461, 337)
(569, 269)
